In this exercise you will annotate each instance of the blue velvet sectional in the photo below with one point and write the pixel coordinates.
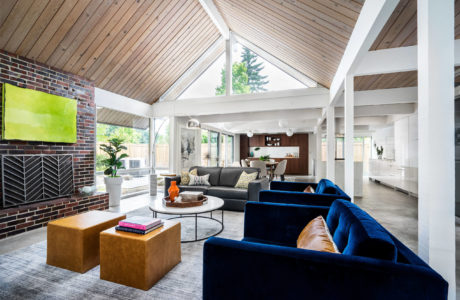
(292, 193)
(267, 265)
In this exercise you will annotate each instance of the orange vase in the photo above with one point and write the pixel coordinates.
(173, 191)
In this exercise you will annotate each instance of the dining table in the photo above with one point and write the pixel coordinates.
(271, 166)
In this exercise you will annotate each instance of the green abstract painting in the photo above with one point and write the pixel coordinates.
(30, 115)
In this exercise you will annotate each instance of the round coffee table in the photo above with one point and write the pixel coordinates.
(213, 204)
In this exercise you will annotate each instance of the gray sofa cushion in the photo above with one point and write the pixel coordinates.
(193, 188)
(229, 176)
(214, 173)
(228, 192)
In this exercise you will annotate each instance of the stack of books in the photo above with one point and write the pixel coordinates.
(139, 225)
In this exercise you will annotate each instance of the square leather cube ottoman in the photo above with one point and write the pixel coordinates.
(73, 242)
(139, 260)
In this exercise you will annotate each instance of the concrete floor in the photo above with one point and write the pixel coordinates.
(396, 211)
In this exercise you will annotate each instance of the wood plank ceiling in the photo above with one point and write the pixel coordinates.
(308, 35)
(134, 48)
(399, 31)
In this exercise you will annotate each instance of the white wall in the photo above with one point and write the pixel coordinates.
(311, 152)
(384, 137)
(406, 141)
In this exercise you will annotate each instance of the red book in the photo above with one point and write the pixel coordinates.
(141, 223)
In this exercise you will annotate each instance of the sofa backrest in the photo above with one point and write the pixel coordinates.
(229, 176)
(356, 233)
(214, 173)
(326, 186)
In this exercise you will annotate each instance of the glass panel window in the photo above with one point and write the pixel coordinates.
(205, 156)
(223, 150)
(230, 150)
(214, 149)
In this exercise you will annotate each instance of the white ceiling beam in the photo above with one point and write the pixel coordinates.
(276, 62)
(394, 60)
(268, 126)
(121, 103)
(379, 110)
(197, 64)
(216, 17)
(371, 20)
(383, 96)
(293, 114)
(269, 101)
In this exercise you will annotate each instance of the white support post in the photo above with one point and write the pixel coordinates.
(173, 147)
(436, 149)
(349, 136)
(152, 145)
(228, 65)
(330, 174)
(319, 148)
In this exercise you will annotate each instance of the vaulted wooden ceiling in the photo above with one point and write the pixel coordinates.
(308, 35)
(134, 48)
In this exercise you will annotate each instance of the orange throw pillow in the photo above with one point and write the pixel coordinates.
(309, 189)
(316, 236)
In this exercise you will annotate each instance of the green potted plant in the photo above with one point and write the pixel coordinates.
(379, 152)
(113, 164)
(264, 157)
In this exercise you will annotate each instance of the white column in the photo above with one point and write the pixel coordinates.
(330, 173)
(349, 176)
(319, 148)
(228, 65)
(152, 145)
(436, 152)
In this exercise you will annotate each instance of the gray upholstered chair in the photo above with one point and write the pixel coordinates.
(261, 165)
(244, 164)
(280, 169)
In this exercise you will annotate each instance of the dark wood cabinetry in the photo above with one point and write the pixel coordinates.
(295, 165)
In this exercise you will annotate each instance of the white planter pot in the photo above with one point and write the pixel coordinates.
(113, 187)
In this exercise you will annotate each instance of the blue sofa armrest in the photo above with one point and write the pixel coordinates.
(245, 270)
(278, 223)
(299, 198)
(255, 187)
(291, 186)
(168, 183)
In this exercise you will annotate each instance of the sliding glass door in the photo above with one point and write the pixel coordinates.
(213, 149)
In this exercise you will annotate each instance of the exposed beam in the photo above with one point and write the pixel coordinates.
(293, 114)
(276, 62)
(379, 110)
(268, 126)
(121, 103)
(216, 17)
(371, 20)
(394, 60)
(196, 65)
(384, 96)
(281, 100)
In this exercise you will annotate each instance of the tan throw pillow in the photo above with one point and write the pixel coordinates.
(185, 178)
(316, 236)
(245, 179)
(309, 189)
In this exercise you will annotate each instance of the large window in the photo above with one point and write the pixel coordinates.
(213, 149)
(134, 131)
(205, 147)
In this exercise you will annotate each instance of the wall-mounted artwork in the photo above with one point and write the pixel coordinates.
(187, 148)
(30, 115)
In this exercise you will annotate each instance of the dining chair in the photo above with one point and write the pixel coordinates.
(261, 165)
(280, 169)
(244, 164)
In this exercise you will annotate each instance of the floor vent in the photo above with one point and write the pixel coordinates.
(34, 178)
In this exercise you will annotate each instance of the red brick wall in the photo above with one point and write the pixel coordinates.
(28, 217)
(25, 73)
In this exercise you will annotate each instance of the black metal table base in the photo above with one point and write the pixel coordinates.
(196, 216)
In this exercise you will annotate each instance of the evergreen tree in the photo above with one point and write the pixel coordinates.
(239, 80)
(256, 81)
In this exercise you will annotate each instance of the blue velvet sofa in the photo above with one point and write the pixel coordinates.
(266, 264)
(292, 193)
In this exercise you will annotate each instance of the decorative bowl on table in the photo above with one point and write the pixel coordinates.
(178, 203)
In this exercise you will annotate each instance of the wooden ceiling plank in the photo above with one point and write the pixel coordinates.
(135, 26)
(62, 30)
(155, 40)
(349, 13)
(40, 25)
(123, 51)
(405, 34)
(98, 30)
(188, 32)
(321, 55)
(78, 32)
(351, 5)
(107, 35)
(13, 20)
(26, 24)
(322, 10)
(7, 7)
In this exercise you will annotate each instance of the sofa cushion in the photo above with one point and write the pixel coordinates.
(214, 173)
(309, 189)
(199, 180)
(245, 179)
(185, 176)
(356, 233)
(316, 236)
(228, 192)
(193, 188)
(326, 187)
(229, 176)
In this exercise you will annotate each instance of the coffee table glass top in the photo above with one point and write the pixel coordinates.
(212, 204)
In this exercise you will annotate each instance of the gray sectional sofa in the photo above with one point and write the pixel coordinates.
(223, 181)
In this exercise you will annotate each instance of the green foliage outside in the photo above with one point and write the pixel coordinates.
(128, 135)
(204, 137)
(246, 76)
(113, 161)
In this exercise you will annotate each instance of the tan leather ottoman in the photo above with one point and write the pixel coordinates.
(140, 260)
(73, 242)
